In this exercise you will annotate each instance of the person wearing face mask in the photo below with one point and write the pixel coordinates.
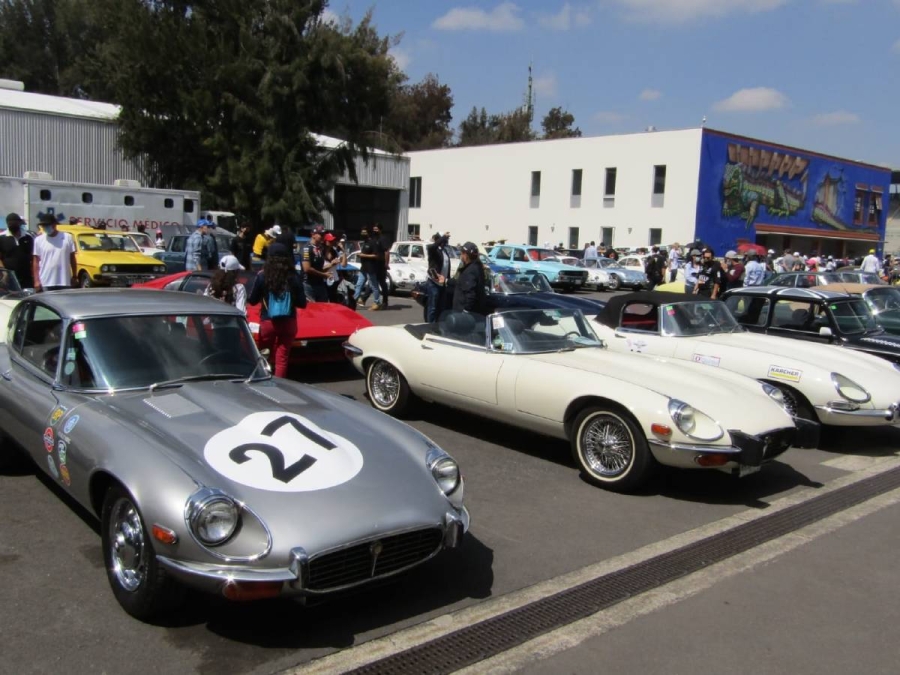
(53, 263)
(438, 275)
(711, 280)
(691, 270)
(17, 249)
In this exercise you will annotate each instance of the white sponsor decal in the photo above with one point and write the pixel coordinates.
(787, 374)
(706, 360)
(282, 452)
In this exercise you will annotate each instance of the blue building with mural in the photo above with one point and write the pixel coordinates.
(753, 192)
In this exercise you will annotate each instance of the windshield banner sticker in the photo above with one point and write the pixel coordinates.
(786, 374)
(706, 360)
(282, 452)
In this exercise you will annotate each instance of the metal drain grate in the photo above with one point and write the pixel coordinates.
(488, 638)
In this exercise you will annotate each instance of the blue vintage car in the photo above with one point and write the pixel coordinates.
(543, 260)
(173, 256)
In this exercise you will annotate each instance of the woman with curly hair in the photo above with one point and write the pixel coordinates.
(224, 285)
(280, 290)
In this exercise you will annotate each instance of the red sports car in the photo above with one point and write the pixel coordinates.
(322, 327)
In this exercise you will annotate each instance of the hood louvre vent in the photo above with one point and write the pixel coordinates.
(173, 405)
(277, 395)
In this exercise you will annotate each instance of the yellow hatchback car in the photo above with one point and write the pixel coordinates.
(110, 258)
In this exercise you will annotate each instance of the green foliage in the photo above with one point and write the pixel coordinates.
(558, 123)
(479, 128)
(420, 116)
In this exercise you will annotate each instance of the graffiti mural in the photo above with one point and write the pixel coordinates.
(829, 201)
(755, 178)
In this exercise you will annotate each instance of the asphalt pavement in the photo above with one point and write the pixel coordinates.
(827, 606)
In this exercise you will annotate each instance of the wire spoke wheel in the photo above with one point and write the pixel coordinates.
(387, 388)
(611, 449)
(607, 445)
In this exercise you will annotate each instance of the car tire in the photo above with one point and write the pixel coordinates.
(84, 280)
(614, 283)
(387, 389)
(622, 467)
(11, 457)
(390, 285)
(142, 586)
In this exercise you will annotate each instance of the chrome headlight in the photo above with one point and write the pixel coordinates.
(212, 516)
(849, 389)
(445, 472)
(112, 268)
(104, 268)
(159, 268)
(774, 393)
(693, 423)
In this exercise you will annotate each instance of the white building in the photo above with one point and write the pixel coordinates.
(625, 191)
(656, 187)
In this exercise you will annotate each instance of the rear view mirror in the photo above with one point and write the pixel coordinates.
(825, 331)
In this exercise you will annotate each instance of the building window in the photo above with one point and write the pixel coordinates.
(188, 205)
(45, 195)
(576, 182)
(415, 192)
(129, 200)
(573, 237)
(535, 183)
(87, 198)
(532, 235)
(609, 189)
(875, 206)
(169, 203)
(606, 236)
(413, 230)
(659, 179)
(858, 206)
(655, 236)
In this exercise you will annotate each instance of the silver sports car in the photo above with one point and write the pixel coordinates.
(155, 411)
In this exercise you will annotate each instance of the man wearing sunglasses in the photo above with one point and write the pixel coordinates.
(711, 280)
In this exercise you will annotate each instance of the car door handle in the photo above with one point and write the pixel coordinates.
(7, 375)
(431, 349)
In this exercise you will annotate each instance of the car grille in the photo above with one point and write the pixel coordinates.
(573, 275)
(372, 559)
(321, 345)
(135, 269)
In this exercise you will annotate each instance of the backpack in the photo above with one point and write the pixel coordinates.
(280, 305)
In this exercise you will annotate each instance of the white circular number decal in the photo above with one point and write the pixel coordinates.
(282, 452)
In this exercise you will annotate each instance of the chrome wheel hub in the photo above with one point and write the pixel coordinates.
(385, 384)
(127, 543)
(607, 446)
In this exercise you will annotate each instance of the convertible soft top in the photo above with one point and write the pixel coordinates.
(98, 302)
(611, 314)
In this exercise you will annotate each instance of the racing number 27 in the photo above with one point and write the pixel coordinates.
(280, 472)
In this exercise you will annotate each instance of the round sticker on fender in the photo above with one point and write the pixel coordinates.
(282, 452)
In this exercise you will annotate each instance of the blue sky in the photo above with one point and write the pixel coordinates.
(817, 74)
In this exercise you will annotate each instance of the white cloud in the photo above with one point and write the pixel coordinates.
(686, 10)
(545, 85)
(650, 95)
(755, 99)
(836, 118)
(566, 18)
(330, 17)
(401, 57)
(504, 17)
(609, 117)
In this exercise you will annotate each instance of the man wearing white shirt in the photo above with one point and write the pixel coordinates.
(53, 264)
(590, 251)
(870, 263)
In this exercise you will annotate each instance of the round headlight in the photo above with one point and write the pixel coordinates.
(683, 415)
(159, 268)
(774, 393)
(104, 268)
(446, 474)
(112, 268)
(849, 389)
(212, 516)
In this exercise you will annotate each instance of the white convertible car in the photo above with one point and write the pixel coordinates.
(545, 370)
(820, 383)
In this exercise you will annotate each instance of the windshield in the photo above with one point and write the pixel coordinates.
(106, 242)
(605, 262)
(143, 239)
(395, 259)
(687, 319)
(883, 299)
(8, 282)
(852, 316)
(138, 351)
(538, 254)
(513, 283)
(534, 331)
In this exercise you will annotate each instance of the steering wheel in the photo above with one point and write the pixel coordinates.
(209, 357)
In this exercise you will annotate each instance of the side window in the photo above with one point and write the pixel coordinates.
(41, 336)
(196, 285)
(519, 255)
(749, 311)
(403, 250)
(793, 315)
(418, 252)
(784, 281)
(503, 253)
(640, 316)
(178, 244)
(16, 328)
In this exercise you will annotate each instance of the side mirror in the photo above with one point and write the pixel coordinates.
(825, 331)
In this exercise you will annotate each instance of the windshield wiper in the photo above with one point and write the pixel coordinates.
(178, 381)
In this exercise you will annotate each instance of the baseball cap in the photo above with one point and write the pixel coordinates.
(694, 252)
(469, 248)
(771, 251)
(46, 219)
(872, 250)
(731, 254)
(796, 254)
(330, 237)
(276, 230)
(203, 222)
(14, 218)
(229, 263)
(319, 229)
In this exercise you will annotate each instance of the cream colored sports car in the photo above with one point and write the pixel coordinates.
(546, 370)
(820, 383)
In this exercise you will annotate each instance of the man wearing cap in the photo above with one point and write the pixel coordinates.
(870, 263)
(226, 287)
(438, 273)
(754, 272)
(711, 279)
(210, 246)
(193, 249)
(17, 249)
(734, 270)
(469, 293)
(788, 261)
(262, 241)
(314, 272)
(655, 268)
(367, 282)
(53, 264)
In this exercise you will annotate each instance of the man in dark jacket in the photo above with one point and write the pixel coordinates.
(469, 295)
(438, 274)
(17, 249)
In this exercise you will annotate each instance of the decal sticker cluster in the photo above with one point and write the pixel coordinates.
(636, 344)
(61, 451)
(786, 374)
(78, 331)
(706, 360)
(48, 439)
(70, 424)
(57, 414)
(282, 452)
(52, 466)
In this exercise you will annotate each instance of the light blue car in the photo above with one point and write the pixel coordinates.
(543, 260)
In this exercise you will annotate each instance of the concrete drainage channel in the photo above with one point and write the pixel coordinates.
(484, 639)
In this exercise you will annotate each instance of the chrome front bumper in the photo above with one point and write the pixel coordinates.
(215, 578)
(860, 417)
(745, 450)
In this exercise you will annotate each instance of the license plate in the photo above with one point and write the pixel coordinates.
(746, 470)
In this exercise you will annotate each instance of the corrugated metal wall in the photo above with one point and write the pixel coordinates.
(69, 148)
(390, 172)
